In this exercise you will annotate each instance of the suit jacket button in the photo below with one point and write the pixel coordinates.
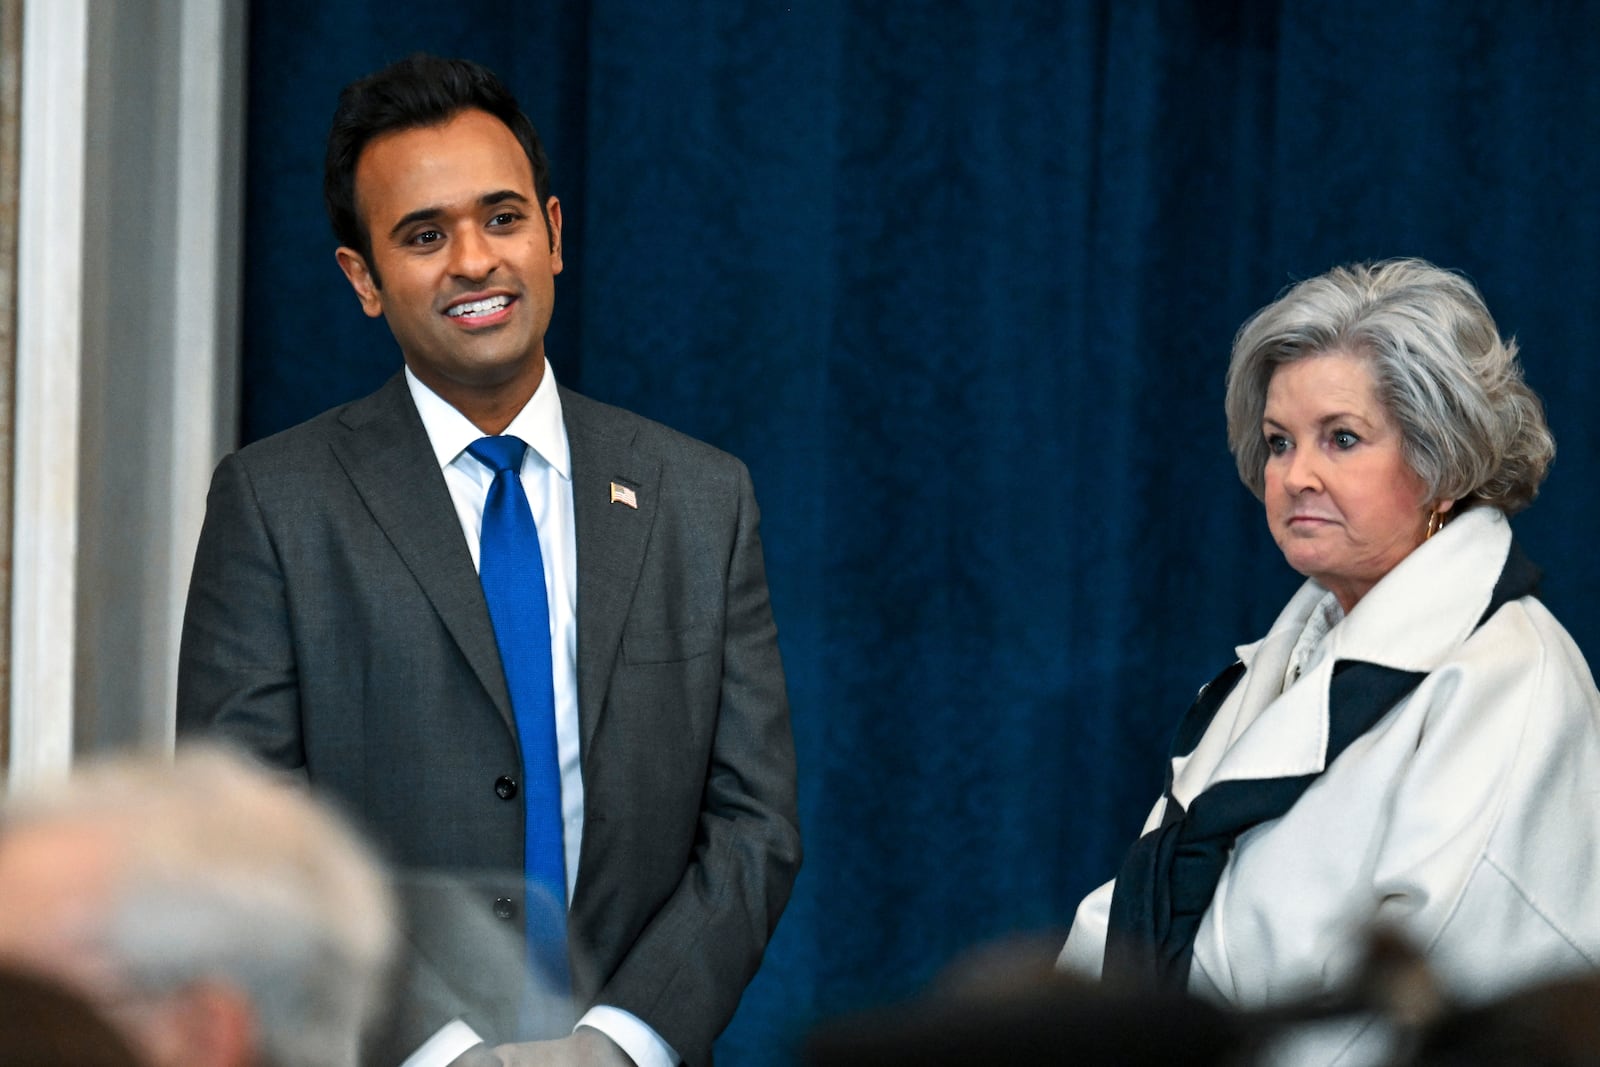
(505, 908)
(505, 787)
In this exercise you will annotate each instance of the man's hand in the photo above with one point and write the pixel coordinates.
(476, 1056)
(586, 1047)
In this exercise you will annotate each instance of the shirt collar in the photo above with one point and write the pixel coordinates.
(1309, 646)
(539, 424)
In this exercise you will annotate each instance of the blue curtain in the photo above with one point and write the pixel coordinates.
(958, 281)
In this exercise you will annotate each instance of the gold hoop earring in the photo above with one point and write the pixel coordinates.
(1435, 522)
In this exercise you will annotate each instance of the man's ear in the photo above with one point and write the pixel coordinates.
(225, 1025)
(552, 213)
(205, 1024)
(361, 280)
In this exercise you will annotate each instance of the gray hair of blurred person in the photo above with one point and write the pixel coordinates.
(1473, 431)
(229, 873)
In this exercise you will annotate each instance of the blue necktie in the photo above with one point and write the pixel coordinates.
(511, 569)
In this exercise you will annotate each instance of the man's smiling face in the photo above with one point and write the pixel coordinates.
(466, 262)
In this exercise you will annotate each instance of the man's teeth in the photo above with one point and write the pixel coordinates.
(475, 308)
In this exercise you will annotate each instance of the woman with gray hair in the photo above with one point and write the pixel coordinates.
(1415, 743)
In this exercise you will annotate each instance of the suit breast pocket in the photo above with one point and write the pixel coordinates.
(669, 646)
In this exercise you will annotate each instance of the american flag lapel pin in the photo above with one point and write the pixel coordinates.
(621, 494)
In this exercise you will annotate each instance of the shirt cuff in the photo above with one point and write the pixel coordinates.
(448, 1042)
(631, 1033)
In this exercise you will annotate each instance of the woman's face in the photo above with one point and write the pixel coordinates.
(1342, 503)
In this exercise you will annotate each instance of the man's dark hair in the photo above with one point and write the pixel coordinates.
(420, 90)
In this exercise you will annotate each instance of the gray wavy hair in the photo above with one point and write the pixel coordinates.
(1473, 431)
(226, 871)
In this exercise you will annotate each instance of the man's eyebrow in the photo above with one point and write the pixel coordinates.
(422, 214)
(428, 214)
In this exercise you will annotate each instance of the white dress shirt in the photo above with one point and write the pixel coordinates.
(547, 480)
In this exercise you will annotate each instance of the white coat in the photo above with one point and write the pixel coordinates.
(1467, 818)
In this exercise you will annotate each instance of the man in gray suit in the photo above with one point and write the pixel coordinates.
(336, 625)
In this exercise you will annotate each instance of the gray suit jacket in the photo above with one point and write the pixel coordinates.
(335, 624)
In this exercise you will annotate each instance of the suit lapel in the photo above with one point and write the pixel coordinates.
(387, 457)
(611, 538)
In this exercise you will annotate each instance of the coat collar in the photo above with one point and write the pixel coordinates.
(388, 459)
(1423, 609)
(1412, 620)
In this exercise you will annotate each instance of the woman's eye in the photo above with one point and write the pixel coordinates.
(1345, 439)
(1277, 444)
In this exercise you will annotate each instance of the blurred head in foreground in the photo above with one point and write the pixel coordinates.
(219, 915)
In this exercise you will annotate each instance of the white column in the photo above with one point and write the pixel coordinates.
(206, 304)
(128, 337)
(49, 358)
